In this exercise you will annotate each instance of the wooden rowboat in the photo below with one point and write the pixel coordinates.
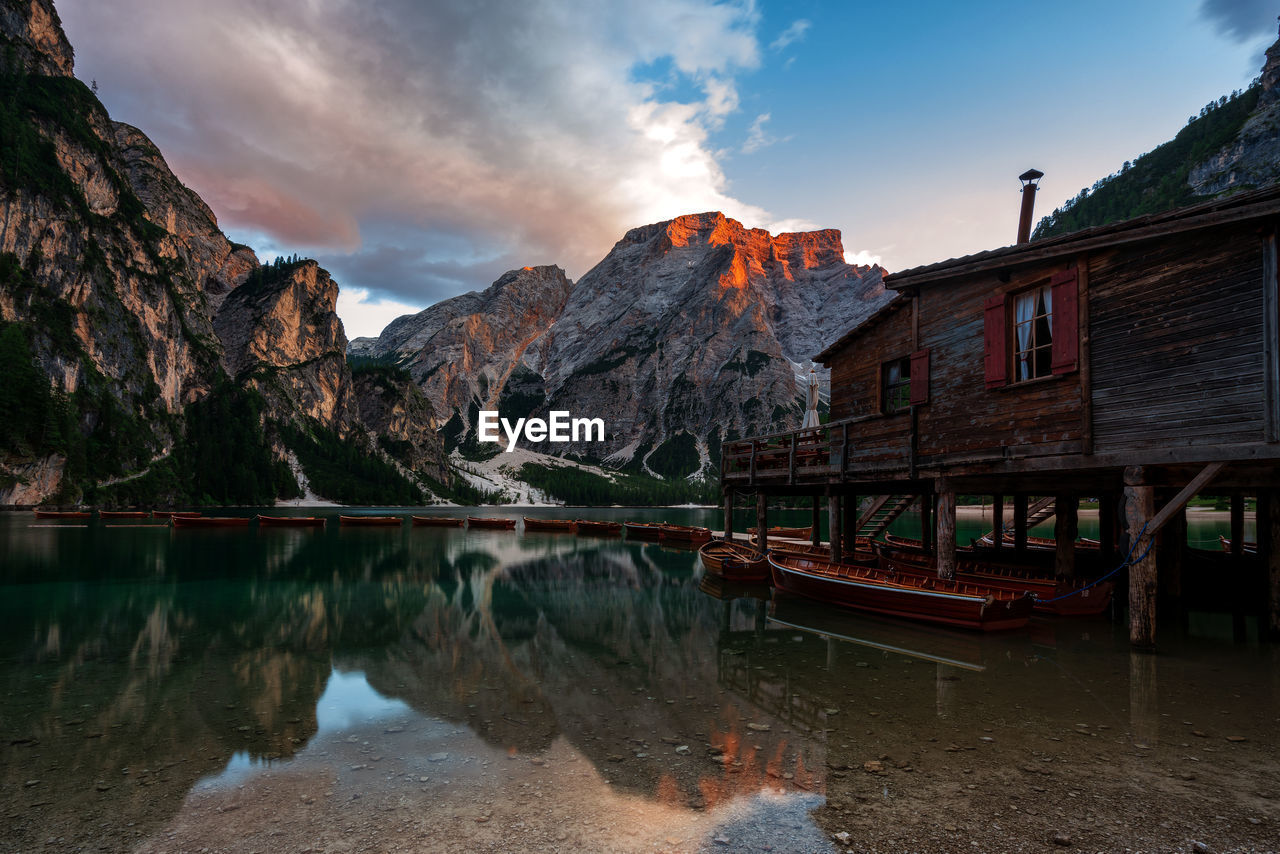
(490, 522)
(548, 524)
(734, 562)
(599, 528)
(210, 521)
(1068, 597)
(933, 600)
(170, 514)
(384, 521)
(793, 533)
(1036, 543)
(683, 535)
(644, 530)
(291, 521)
(124, 514)
(438, 521)
(63, 514)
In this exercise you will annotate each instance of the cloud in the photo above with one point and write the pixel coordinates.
(366, 318)
(862, 258)
(415, 147)
(1240, 20)
(791, 34)
(757, 137)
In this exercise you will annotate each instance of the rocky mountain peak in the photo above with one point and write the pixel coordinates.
(33, 29)
(1270, 78)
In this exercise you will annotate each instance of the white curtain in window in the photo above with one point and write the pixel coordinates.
(1024, 309)
(1048, 307)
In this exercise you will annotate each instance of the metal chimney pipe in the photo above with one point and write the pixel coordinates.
(1029, 187)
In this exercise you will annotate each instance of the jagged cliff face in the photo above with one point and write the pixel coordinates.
(284, 338)
(397, 410)
(1252, 160)
(134, 302)
(463, 351)
(699, 326)
(687, 332)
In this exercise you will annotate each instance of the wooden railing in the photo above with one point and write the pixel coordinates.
(794, 456)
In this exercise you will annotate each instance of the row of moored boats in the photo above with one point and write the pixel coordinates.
(897, 577)
(654, 531)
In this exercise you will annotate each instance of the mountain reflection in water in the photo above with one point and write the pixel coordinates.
(455, 690)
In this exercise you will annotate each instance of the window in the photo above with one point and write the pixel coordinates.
(895, 386)
(1030, 336)
(1033, 334)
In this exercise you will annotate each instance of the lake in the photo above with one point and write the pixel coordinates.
(450, 690)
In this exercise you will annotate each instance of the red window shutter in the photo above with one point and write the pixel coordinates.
(920, 377)
(1066, 326)
(993, 339)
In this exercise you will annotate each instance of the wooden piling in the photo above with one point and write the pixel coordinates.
(728, 514)
(1065, 526)
(1139, 505)
(946, 541)
(1020, 522)
(997, 520)
(762, 522)
(833, 527)
(1107, 527)
(815, 538)
(849, 521)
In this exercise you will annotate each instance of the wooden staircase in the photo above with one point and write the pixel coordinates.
(1037, 512)
(881, 514)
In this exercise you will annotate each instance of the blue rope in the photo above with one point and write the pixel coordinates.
(1129, 561)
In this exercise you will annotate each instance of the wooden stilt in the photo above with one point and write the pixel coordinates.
(1066, 522)
(1139, 505)
(1107, 527)
(728, 514)
(833, 527)
(997, 519)
(1020, 523)
(946, 541)
(849, 522)
(926, 521)
(816, 537)
(762, 522)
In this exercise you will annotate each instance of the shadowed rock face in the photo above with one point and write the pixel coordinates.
(696, 325)
(1252, 159)
(133, 264)
(463, 350)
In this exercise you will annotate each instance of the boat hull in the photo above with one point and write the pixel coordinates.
(123, 514)
(438, 521)
(291, 521)
(644, 530)
(490, 522)
(933, 601)
(371, 521)
(682, 535)
(562, 525)
(210, 521)
(734, 562)
(1060, 598)
(63, 514)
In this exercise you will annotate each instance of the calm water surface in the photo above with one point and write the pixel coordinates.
(448, 690)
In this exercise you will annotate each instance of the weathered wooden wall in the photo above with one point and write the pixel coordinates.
(1177, 342)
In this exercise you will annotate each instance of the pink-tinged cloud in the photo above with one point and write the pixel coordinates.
(517, 129)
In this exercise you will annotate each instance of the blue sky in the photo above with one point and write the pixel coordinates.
(420, 149)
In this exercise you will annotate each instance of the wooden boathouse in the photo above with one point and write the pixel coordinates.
(1136, 363)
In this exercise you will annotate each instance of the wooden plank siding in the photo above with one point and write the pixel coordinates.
(964, 417)
(1177, 342)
